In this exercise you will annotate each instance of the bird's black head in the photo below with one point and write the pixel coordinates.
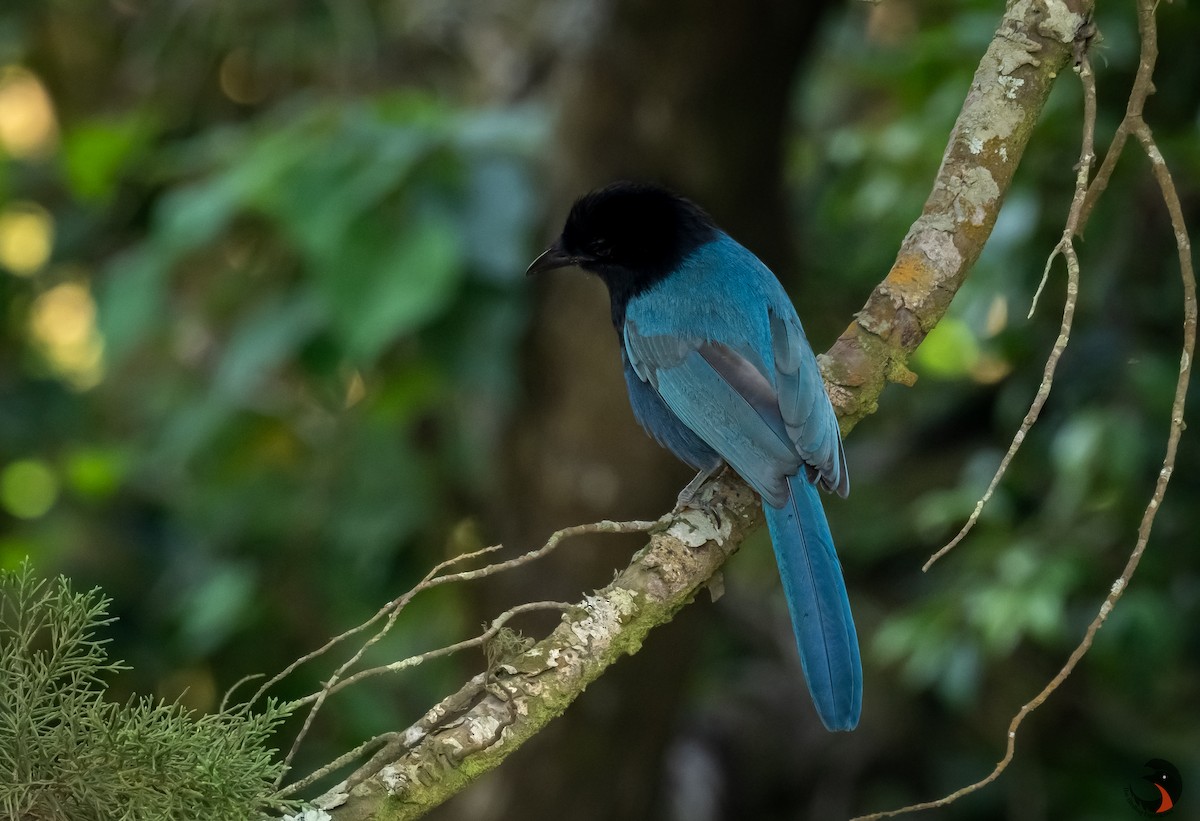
(631, 235)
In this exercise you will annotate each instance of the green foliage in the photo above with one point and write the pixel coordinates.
(337, 247)
(97, 153)
(69, 755)
(310, 321)
(363, 195)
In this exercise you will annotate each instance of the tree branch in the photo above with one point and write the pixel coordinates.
(1034, 43)
(474, 729)
(490, 719)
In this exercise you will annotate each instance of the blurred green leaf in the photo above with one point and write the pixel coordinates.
(131, 298)
(949, 351)
(214, 607)
(96, 473)
(386, 284)
(96, 153)
(1078, 444)
(262, 341)
(500, 208)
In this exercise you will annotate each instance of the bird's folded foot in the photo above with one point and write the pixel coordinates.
(687, 496)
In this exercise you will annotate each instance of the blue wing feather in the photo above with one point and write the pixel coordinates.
(805, 405)
(661, 423)
(707, 404)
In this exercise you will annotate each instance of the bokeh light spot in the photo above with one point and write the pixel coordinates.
(27, 123)
(62, 323)
(997, 316)
(26, 237)
(95, 473)
(28, 488)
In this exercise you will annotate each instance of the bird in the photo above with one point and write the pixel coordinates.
(720, 372)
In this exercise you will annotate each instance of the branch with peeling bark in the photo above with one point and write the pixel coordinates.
(473, 730)
(1034, 43)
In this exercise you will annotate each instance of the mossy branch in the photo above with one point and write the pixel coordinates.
(476, 728)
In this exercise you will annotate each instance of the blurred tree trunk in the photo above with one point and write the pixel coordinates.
(697, 97)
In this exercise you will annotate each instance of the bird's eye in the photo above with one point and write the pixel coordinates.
(600, 247)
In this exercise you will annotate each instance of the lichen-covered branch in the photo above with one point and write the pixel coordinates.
(473, 730)
(1034, 43)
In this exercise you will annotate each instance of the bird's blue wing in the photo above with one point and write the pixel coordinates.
(723, 399)
(804, 405)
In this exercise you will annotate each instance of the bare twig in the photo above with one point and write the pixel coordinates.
(395, 605)
(393, 609)
(237, 684)
(343, 760)
(441, 652)
(1066, 249)
(404, 664)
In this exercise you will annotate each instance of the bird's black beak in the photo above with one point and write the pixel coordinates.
(553, 257)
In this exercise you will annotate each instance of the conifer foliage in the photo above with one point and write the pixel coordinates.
(67, 754)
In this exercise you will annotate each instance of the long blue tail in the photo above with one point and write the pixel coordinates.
(817, 600)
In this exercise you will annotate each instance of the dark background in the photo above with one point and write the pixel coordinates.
(267, 355)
